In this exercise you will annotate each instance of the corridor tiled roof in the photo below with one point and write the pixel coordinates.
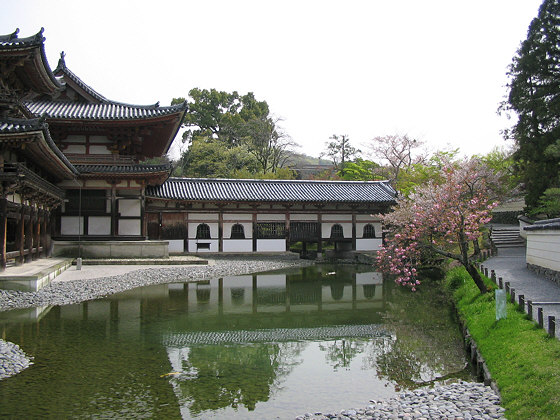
(199, 189)
(137, 168)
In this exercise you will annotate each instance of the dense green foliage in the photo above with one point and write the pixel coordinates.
(230, 133)
(534, 96)
(522, 359)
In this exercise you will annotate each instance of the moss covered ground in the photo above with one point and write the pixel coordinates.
(522, 359)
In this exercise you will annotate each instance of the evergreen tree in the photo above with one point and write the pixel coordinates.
(534, 95)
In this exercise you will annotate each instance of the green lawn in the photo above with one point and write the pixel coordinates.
(522, 359)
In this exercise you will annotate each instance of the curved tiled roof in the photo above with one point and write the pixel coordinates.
(18, 126)
(198, 189)
(103, 111)
(11, 44)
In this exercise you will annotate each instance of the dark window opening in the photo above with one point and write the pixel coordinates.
(337, 232)
(304, 231)
(203, 232)
(369, 231)
(271, 231)
(92, 201)
(203, 245)
(237, 232)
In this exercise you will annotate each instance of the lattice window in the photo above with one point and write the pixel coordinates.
(237, 232)
(304, 231)
(369, 231)
(271, 230)
(337, 232)
(203, 231)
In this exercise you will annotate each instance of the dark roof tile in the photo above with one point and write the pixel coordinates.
(198, 189)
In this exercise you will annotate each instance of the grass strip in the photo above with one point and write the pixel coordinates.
(522, 359)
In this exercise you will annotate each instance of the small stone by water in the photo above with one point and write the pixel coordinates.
(459, 401)
(12, 359)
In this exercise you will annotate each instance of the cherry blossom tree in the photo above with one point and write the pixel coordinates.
(440, 217)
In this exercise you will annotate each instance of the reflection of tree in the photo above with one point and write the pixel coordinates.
(229, 376)
(426, 343)
(341, 352)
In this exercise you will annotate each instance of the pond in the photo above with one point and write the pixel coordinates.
(269, 345)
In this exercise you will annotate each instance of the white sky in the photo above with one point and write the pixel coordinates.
(433, 69)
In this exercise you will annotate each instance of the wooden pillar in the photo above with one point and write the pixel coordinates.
(353, 229)
(44, 231)
(28, 236)
(320, 222)
(143, 221)
(114, 221)
(3, 231)
(36, 233)
(221, 230)
(287, 228)
(20, 235)
(254, 229)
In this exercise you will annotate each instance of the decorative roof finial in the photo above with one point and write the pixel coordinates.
(61, 61)
(14, 35)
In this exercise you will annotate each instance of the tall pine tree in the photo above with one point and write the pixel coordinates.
(534, 95)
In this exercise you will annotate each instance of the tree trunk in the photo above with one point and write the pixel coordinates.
(476, 247)
(475, 275)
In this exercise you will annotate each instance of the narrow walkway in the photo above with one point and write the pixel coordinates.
(510, 264)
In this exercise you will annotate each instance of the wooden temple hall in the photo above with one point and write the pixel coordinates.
(75, 177)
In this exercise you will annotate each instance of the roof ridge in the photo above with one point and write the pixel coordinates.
(63, 68)
(305, 181)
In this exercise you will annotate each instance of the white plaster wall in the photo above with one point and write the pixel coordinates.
(271, 245)
(369, 218)
(129, 207)
(247, 228)
(326, 229)
(337, 217)
(71, 225)
(75, 138)
(273, 217)
(199, 217)
(75, 148)
(543, 248)
(176, 245)
(95, 183)
(213, 229)
(99, 139)
(303, 217)
(360, 229)
(99, 150)
(214, 246)
(522, 231)
(368, 244)
(237, 216)
(238, 245)
(99, 225)
(129, 227)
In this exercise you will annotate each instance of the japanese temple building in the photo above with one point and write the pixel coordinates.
(74, 169)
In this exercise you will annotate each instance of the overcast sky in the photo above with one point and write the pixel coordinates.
(433, 69)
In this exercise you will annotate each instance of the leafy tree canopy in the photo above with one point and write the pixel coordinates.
(239, 123)
(534, 96)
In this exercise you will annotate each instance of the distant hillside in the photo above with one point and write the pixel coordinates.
(308, 166)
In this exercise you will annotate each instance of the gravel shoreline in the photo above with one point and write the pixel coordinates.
(13, 360)
(459, 401)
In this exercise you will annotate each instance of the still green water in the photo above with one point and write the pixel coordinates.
(270, 345)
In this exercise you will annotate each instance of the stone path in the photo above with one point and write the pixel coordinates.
(510, 264)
